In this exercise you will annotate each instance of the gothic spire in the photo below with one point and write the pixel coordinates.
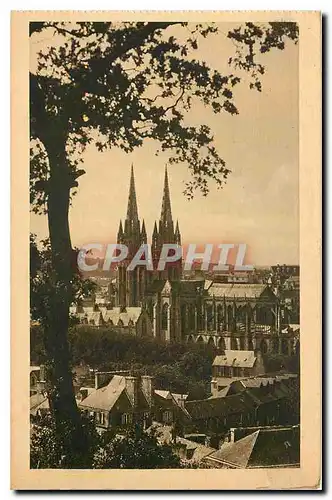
(177, 234)
(155, 230)
(120, 232)
(143, 233)
(132, 212)
(166, 211)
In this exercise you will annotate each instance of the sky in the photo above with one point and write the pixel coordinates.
(259, 203)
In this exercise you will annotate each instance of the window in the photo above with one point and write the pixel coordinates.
(126, 418)
(164, 317)
(102, 418)
(167, 416)
(209, 317)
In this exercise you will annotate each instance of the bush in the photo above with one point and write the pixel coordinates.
(135, 449)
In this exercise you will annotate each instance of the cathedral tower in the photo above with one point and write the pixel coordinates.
(165, 233)
(131, 284)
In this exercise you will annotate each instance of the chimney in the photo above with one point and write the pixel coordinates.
(102, 378)
(83, 394)
(147, 388)
(132, 390)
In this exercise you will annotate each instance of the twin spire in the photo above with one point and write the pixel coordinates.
(132, 211)
(166, 228)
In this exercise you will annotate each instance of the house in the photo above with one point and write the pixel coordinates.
(37, 379)
(276, 397)
(215, 416)
(233, 365)
(120, 399)
(34, 378)
(241, 277)
(121, 402)
(169, 407)
(131, 320)
(38, 405)
(269, 447)
(255, 401)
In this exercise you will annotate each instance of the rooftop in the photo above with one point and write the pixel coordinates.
(207, 408)
(268, 447)
(242, 359)
(243, 290)
(105, 397)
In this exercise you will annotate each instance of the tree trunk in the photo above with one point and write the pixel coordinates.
(61, 391)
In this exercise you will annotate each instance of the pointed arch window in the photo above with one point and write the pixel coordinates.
(209, 316)
(164, 317)
(183, 318)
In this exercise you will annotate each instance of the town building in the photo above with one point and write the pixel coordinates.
(37, 379)
(285, 271)
(129, 320)
(255, 401)
(121, 400)
(234, 365)
(118, 400)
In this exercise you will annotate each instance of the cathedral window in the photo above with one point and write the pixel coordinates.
(164, 317)
(209, 316)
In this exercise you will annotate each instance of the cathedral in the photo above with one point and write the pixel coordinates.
(225, 315)
(133, 285)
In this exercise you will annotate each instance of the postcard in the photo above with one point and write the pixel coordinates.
(166, 250)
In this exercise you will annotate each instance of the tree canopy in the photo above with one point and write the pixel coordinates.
(119, 84)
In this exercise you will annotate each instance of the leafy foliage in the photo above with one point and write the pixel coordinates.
(252, 39)
(42, 281)
(133, 449)
(119, 84)
(178, 367)
(49, 449)
(277, 362)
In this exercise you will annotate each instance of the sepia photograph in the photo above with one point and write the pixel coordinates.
(162, 303)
